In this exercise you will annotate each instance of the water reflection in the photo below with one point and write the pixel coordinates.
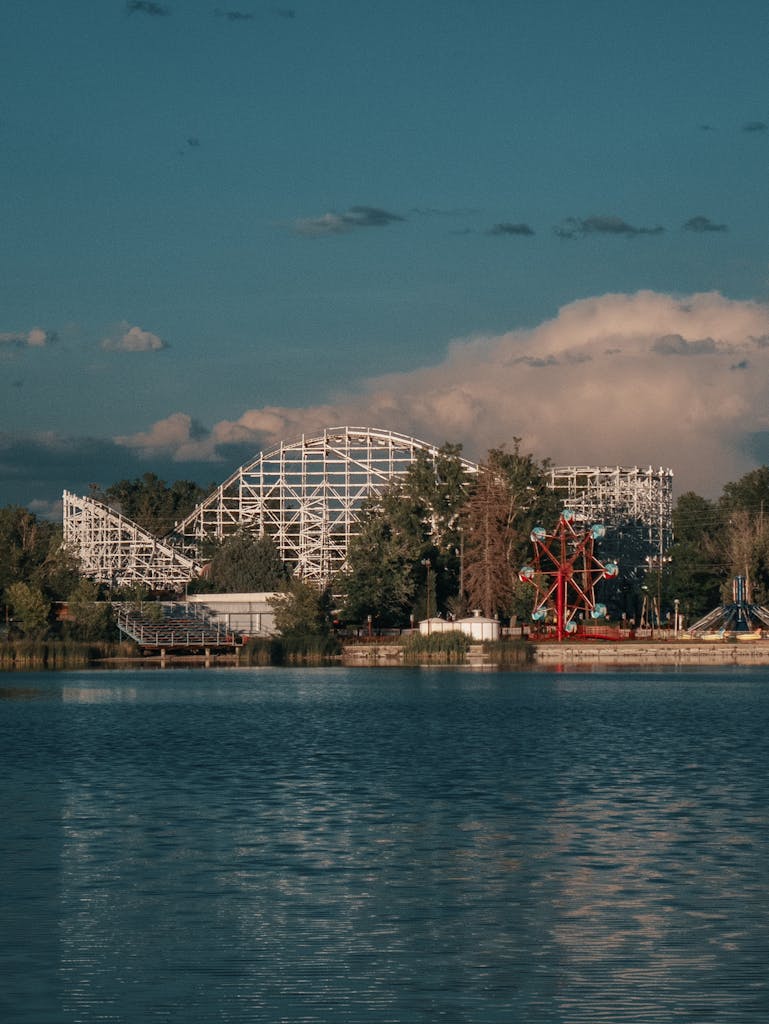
(394, 846)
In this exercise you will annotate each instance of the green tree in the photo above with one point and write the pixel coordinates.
(750, 493)
(245, 563)
(152, 503)
(413, 521)
(742, 542)
(301, 611)
(381, 581)
(29, 608)
(435, 488)
(58, 573)
(25, 543)
(89, 619)
(744, 546)
(31, 552)
(696, 568)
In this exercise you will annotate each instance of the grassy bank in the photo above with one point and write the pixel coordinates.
(421, 648)
(23, 654)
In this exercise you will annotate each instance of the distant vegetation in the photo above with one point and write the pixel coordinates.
(152, 503)
(241, 564)
(436, 541)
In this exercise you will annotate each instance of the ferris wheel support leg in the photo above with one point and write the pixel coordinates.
(560, 606)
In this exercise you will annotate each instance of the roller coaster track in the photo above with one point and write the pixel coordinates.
(305, 494)
(112, 549)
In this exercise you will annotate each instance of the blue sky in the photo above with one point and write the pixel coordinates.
(227, 220)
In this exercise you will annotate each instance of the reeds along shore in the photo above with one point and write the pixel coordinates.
(25, 654)
(20, 654)
(453, 648)
(448, 648)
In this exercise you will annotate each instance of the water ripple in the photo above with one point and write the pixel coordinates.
(385, 846)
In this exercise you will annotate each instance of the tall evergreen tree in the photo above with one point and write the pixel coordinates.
(509, 496)
(489, 535)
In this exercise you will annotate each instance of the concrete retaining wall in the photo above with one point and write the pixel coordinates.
(577, 653)
(664, 653)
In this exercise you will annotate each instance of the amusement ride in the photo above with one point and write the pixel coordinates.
(564, 573)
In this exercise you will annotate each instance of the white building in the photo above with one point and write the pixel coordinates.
(246, 614)
(476, 626)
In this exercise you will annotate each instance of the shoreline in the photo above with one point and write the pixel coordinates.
(648, 653)
(542, 655)
(628, 652)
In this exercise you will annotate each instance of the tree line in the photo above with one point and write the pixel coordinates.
(436, 541)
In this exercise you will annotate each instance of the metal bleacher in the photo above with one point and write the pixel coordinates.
(178, 626)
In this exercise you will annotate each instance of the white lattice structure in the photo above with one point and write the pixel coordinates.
(620, 498)
(114, 550)
(305, 494)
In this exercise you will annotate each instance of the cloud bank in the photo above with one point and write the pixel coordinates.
(642, 379)
(36, 468)
(625, 379)
(621, 379)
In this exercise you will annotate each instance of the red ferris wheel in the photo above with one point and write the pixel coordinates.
(565, 572)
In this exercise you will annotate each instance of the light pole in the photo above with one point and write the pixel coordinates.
(427, 564)
(658, 562)
(461, 563)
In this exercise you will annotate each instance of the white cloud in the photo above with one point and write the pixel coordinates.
(35, 338)
(178, 436)
(133, 339)
(642, 379)
(38, 338)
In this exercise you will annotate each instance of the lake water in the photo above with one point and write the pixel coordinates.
(394, 845)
